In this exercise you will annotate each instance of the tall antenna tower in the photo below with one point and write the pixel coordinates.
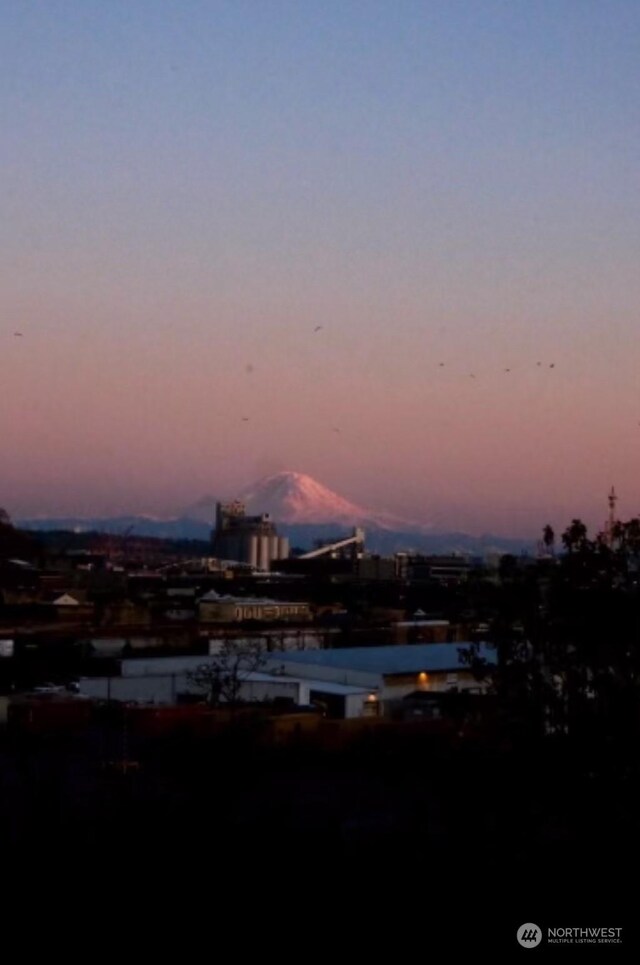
(612, 499)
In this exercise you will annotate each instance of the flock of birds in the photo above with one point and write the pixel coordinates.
(249, 368)
(472, 375)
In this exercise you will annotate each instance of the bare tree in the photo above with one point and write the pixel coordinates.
(222, 677)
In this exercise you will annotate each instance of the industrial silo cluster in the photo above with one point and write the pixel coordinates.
(247, 539)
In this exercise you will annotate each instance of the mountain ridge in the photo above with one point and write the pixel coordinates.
(300, 535)
(304, 510)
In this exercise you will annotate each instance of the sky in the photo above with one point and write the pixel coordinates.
(229, 229)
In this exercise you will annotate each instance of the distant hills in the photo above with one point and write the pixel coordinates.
(178, 527)
(305, 511)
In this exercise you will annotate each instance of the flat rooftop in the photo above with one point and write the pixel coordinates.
(403, 659)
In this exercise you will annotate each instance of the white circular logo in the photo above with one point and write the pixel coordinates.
(529, 935)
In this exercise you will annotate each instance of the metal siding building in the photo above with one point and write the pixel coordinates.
(391, 671)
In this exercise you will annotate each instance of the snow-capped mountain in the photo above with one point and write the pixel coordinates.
(305, 511)
(295, 498)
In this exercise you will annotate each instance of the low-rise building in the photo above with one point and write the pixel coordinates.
(168, 680)
(276, 639)
(420, 630)
(391, 672)
(215, 608)
(446, 570)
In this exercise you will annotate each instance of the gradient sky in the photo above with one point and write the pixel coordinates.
(190, 187)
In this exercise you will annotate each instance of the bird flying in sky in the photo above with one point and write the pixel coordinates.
(317, 328)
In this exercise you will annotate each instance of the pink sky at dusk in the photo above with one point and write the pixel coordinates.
(170, 220)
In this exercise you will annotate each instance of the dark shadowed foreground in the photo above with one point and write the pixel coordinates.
(403, 822)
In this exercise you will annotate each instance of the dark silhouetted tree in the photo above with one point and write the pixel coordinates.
(567, 640)
(574, 537)
(222, 677)
(13, 542)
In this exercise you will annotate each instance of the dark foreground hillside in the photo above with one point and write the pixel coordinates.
(417, 825)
